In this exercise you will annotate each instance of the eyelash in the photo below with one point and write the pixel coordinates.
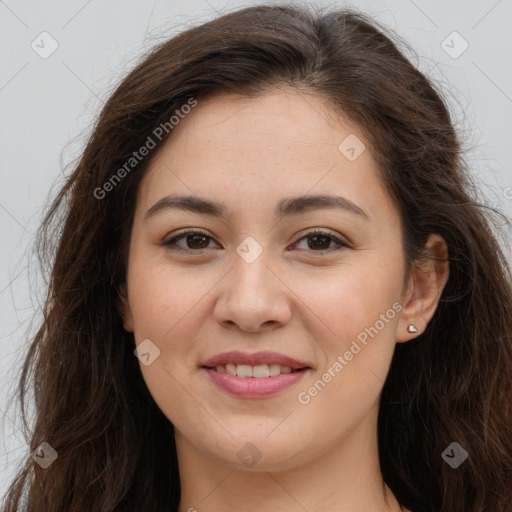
(313, 232)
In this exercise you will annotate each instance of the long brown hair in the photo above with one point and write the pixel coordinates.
(115, 447)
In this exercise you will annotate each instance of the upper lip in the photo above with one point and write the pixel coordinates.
(256, 358)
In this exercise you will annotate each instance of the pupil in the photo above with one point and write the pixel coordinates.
(320, 237)
(198, 237)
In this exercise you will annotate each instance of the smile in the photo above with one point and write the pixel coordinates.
(250, 387)
(259, 371)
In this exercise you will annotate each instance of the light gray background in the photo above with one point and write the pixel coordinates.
(47, 106)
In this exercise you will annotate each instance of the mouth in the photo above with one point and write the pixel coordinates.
(260, 371)
(258, 364)
(257, 375)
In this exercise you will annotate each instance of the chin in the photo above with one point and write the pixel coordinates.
(258, 453)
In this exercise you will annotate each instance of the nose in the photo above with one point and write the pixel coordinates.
(253, 297)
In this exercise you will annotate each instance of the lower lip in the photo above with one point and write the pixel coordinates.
(252, 387)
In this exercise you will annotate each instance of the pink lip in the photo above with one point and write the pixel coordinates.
(238, 357)
(251, 387)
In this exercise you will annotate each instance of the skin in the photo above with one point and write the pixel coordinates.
(249, 154)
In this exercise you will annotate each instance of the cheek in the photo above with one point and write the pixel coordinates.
(161, 295)
(165, 303)
(359, 309)
(352, 298)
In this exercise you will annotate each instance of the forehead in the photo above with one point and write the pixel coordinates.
(252, 151)
(268, 121)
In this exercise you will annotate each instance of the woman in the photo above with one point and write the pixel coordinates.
(274, 216)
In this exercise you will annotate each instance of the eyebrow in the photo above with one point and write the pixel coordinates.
(286, 207)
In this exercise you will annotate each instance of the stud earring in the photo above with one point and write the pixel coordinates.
(411, 329)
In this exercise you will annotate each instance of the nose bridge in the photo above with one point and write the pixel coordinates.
(251, 272)
(253, 296)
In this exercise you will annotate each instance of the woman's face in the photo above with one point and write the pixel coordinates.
(260, 280)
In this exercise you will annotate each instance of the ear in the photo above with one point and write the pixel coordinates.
(424, 289)
(123, 307)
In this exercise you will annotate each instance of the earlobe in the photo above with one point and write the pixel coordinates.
(425, 288)
(123, 307)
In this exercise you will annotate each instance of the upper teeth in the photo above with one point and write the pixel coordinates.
(259, 371)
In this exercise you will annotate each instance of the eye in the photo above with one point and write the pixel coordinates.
(321, 240)
(196, 241)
